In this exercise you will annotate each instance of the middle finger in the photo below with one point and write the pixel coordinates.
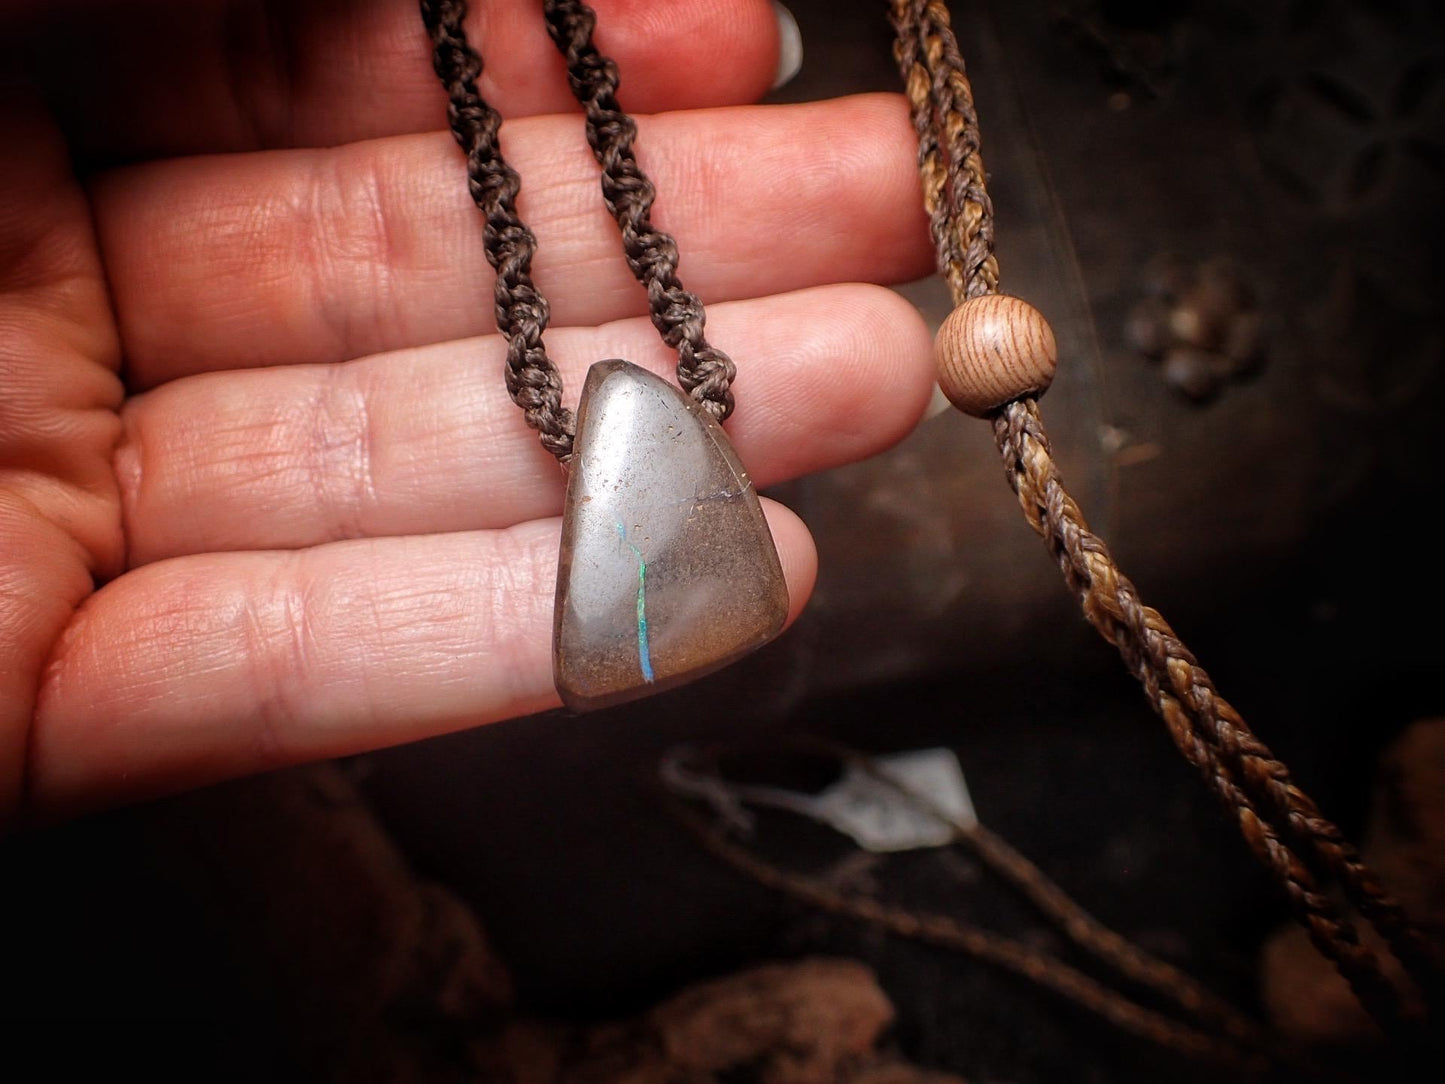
(296, 257)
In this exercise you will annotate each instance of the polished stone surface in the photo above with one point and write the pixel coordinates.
(668, 570)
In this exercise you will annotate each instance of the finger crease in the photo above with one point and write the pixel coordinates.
(340, 454)
(280, 651)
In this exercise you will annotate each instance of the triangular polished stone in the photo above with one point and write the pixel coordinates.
(668, 570)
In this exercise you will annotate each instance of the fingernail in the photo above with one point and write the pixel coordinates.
(790, 46)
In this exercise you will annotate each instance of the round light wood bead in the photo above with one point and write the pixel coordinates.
(992, 350)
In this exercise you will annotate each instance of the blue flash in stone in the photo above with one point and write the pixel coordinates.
(644, 653)
(652, 474)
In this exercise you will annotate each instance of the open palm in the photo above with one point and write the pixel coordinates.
(250, 385)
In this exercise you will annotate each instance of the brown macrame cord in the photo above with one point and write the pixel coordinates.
(532, 379)
(1214, 1030)
(1280, 823)
(704, 371)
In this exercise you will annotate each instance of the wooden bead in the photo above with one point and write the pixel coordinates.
(992, 350)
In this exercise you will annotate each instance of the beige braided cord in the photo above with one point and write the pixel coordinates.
(1150, 646)
(1280, 823)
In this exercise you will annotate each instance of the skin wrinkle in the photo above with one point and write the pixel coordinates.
(338, 452)
(72, 650)
(364, 472)
(539, 586)
(29, 275)
(54, 393)
(368, 203)
(128, 464)
(277, 655)
(340, 252)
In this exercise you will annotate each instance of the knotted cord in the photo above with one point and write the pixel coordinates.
(532, 379)
(703, 370)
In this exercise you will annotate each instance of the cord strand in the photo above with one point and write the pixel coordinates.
(704, 371)
(522, 312)
(1275, 816)
(993, 948)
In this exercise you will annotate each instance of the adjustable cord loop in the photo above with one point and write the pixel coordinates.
(1280, 823)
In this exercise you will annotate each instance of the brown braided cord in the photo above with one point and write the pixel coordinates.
(1240, 769)
(992, 948)
(522, 312)
(704, 371)
(960, 212)
(1148, 646)
(1051, 901)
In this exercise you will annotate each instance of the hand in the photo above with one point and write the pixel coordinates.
(263, 497)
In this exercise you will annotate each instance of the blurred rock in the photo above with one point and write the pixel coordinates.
(1196, 373)
(378, 975)
(373, 973)
(1166, 276)
(1147, 327)
(809, 1021)
(1244, 341)
(1200, 322)
(817, 1021)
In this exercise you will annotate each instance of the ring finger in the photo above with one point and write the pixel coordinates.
(302, 257)
(425, 440)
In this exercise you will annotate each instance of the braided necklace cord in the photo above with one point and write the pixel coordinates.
(1280, 823)
(522, 312)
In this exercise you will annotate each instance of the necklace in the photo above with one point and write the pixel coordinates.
(667, 568)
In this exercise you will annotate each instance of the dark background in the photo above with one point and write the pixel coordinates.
(1286, 528)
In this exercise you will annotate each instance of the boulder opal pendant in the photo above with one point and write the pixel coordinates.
(668, 570)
